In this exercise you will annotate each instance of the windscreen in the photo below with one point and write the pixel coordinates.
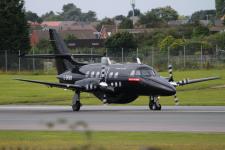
(144, 72)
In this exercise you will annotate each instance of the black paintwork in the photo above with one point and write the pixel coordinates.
(125, 82)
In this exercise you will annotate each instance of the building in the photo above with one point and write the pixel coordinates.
(107, 31)
(178, 22)
(81, 31)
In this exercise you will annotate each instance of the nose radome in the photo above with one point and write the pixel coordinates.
(171, 90)
(165, 87)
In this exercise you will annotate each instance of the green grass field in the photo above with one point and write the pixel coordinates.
(111, 140)
(15, 92)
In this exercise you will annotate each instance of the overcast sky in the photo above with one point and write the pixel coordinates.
(111, 8)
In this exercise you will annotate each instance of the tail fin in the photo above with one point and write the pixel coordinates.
(60, 47)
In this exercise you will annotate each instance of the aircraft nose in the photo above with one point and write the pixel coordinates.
(169, 89)
(161, 87)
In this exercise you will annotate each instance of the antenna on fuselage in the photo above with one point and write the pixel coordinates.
(139, 61)
(106, 61)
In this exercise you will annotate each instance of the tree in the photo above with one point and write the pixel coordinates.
(171, 43)
(121, 40)
(90, 16)
(203, 15)
(166, 43)
(200, 31)
(30, 16)
(51, 16)
(72, 13)
(105, 21)
(137, 12)
(126, 24)
(216, 39)
(220, 8)
(158, 17)
(150, 20)
(14, 30)
(119, 17)
(166, 13)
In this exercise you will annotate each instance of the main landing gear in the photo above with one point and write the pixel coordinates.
(76, 101)
(154, 103)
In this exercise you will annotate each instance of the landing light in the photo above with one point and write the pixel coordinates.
(134, 79)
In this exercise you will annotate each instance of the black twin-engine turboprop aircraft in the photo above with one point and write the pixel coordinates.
(111, 83)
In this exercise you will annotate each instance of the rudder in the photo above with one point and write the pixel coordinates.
(59, 47)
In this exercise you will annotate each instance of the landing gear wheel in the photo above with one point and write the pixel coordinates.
(76, 101)
(76, 107)
(154, 104)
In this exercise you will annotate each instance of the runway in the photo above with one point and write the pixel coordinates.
(114, 118)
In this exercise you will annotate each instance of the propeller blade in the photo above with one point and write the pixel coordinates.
(170, 70)
(176, 100)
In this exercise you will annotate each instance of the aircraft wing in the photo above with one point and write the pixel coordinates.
(187, 81)
(57, 85)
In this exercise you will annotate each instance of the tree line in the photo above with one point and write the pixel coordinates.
(14, 33)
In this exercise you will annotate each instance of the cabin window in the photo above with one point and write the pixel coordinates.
(110, 74)
(132, 73)
(87, 74)
(116, 75)
(138, 73)
(98, 75)
(92, 74)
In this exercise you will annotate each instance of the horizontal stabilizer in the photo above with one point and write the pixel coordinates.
(63, 56)
(57, 85)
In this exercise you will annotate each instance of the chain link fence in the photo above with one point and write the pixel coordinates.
(183, 58)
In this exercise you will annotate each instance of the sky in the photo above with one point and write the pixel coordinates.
(111, 8)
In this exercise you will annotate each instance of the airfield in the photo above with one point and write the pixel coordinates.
(115, 118)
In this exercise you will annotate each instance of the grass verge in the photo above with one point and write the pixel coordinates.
(112, 140)
(15, 92)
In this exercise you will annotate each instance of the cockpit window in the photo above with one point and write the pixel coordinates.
(138, 73)
(145, 72)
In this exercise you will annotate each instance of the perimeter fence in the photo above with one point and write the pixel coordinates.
(181, 59)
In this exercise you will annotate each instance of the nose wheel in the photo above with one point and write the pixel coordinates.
(154, 103)
(76, 101)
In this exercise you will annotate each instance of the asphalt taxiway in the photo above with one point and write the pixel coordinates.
(114, 118)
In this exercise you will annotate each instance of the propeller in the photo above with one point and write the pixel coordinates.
(172, 82)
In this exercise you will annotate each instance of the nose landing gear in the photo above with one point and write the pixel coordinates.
(154, 103)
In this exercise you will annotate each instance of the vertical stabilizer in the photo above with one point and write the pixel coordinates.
(59, 47)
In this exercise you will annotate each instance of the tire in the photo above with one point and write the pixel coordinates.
(154, 107)
(76, 107)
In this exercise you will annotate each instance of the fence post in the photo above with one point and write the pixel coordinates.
(184, 56)
(19, 60)
(6, 61)
(152, 57)
(137, 53)
(122, 55)
(91, 55)
(106, 52)
(201, 56)
(33, 62)
(168, 55)
(217, 55)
